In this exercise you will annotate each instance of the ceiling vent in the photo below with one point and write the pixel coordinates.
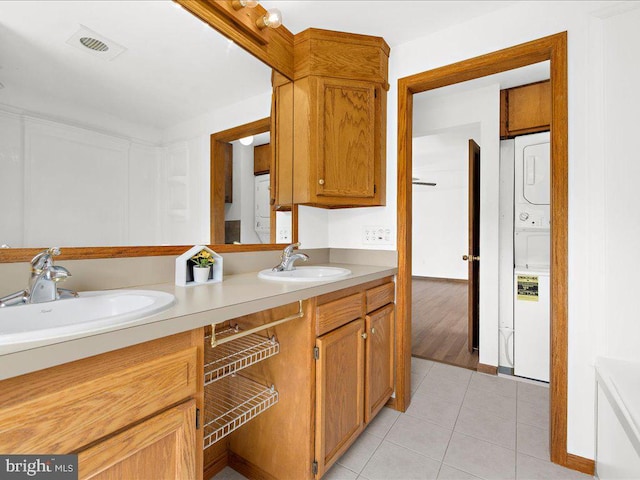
(95, 44)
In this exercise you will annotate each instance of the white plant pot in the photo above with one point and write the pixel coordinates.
(201, 274)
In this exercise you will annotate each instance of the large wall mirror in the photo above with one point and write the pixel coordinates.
(106, 112)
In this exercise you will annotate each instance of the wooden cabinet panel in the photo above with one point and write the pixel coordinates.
(379, 379)
(339, 137)
(339, 392)
(380, 296)
(78, 405)
(345, 148)
(525, 109)
(282, 142)
(162, 447)
(339, 142)
(261, 159)
(338, 312)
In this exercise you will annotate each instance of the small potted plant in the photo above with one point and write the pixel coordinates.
(202, 262)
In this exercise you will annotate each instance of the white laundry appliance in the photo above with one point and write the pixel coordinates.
(262, 211)
(531, 305)
(531, 248)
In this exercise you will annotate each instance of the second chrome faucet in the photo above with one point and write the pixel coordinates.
(288, 258)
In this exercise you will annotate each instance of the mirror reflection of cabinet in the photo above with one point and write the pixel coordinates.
(261, 159)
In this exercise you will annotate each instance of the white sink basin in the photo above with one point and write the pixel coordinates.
(305, 274)
(89, 313)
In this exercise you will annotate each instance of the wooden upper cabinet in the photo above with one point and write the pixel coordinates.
(261, 159)
(525, 109)
(339, 121)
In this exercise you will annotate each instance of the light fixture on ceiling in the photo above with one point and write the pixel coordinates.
(238, 4)
(272, 19)
(246, 141)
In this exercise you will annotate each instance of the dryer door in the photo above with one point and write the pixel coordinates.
(536, 170)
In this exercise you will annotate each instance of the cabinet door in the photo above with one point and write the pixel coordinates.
(162, 447)
(339, 392)
(346, 146)
(379, 365)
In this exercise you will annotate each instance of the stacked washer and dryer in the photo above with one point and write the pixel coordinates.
(525, 330)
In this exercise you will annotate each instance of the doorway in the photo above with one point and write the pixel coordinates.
(554, 49)
(445, 236)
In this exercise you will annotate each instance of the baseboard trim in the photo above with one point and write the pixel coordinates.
(440, 279)
(488, 369)
(216, 466)
(581, 464)
(247, 468)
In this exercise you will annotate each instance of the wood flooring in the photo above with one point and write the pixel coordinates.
(439, 322)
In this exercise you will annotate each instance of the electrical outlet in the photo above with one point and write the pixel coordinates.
(376, 235)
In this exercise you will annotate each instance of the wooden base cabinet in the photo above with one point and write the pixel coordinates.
(379, 362)
(354, 365)
(339, 392)
(129, 413)
(163, 447)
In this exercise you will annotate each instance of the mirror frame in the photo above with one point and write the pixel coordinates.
(274, 47)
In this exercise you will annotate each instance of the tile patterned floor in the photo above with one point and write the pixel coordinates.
(460, 425)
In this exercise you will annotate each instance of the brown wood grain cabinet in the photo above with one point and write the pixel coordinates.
(339, 120)
(261, 159)
(354, 365)
(525, 109)
(339, 392)
(119, 411)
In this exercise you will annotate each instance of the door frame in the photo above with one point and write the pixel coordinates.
(473, 250)
(554, 49)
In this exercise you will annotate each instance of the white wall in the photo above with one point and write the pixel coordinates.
(440, 213)
(519, 23)
(47, 166)
(621, 227)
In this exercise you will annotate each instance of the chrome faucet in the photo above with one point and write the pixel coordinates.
(288, 258)
(43, 281)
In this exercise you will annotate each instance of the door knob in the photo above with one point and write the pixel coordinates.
(373, 330)
(471, 258)
(364, 335)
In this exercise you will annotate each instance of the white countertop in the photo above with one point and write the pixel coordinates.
(195, 306)
(620, 382)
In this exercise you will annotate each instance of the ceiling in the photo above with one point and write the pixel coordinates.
(174, 67)
(397, 21)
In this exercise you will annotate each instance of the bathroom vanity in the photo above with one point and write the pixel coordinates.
(284, 401)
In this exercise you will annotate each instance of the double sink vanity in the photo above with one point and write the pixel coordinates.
(274, 377)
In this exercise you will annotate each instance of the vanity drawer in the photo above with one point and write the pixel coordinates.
(75, 404)
(332, 315)
(380, 296)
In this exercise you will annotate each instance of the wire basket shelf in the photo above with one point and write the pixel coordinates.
(228, 358)
(231, 402)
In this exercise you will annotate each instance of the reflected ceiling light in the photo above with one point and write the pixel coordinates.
(246, 141)
(272, 19)
(238, 4)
